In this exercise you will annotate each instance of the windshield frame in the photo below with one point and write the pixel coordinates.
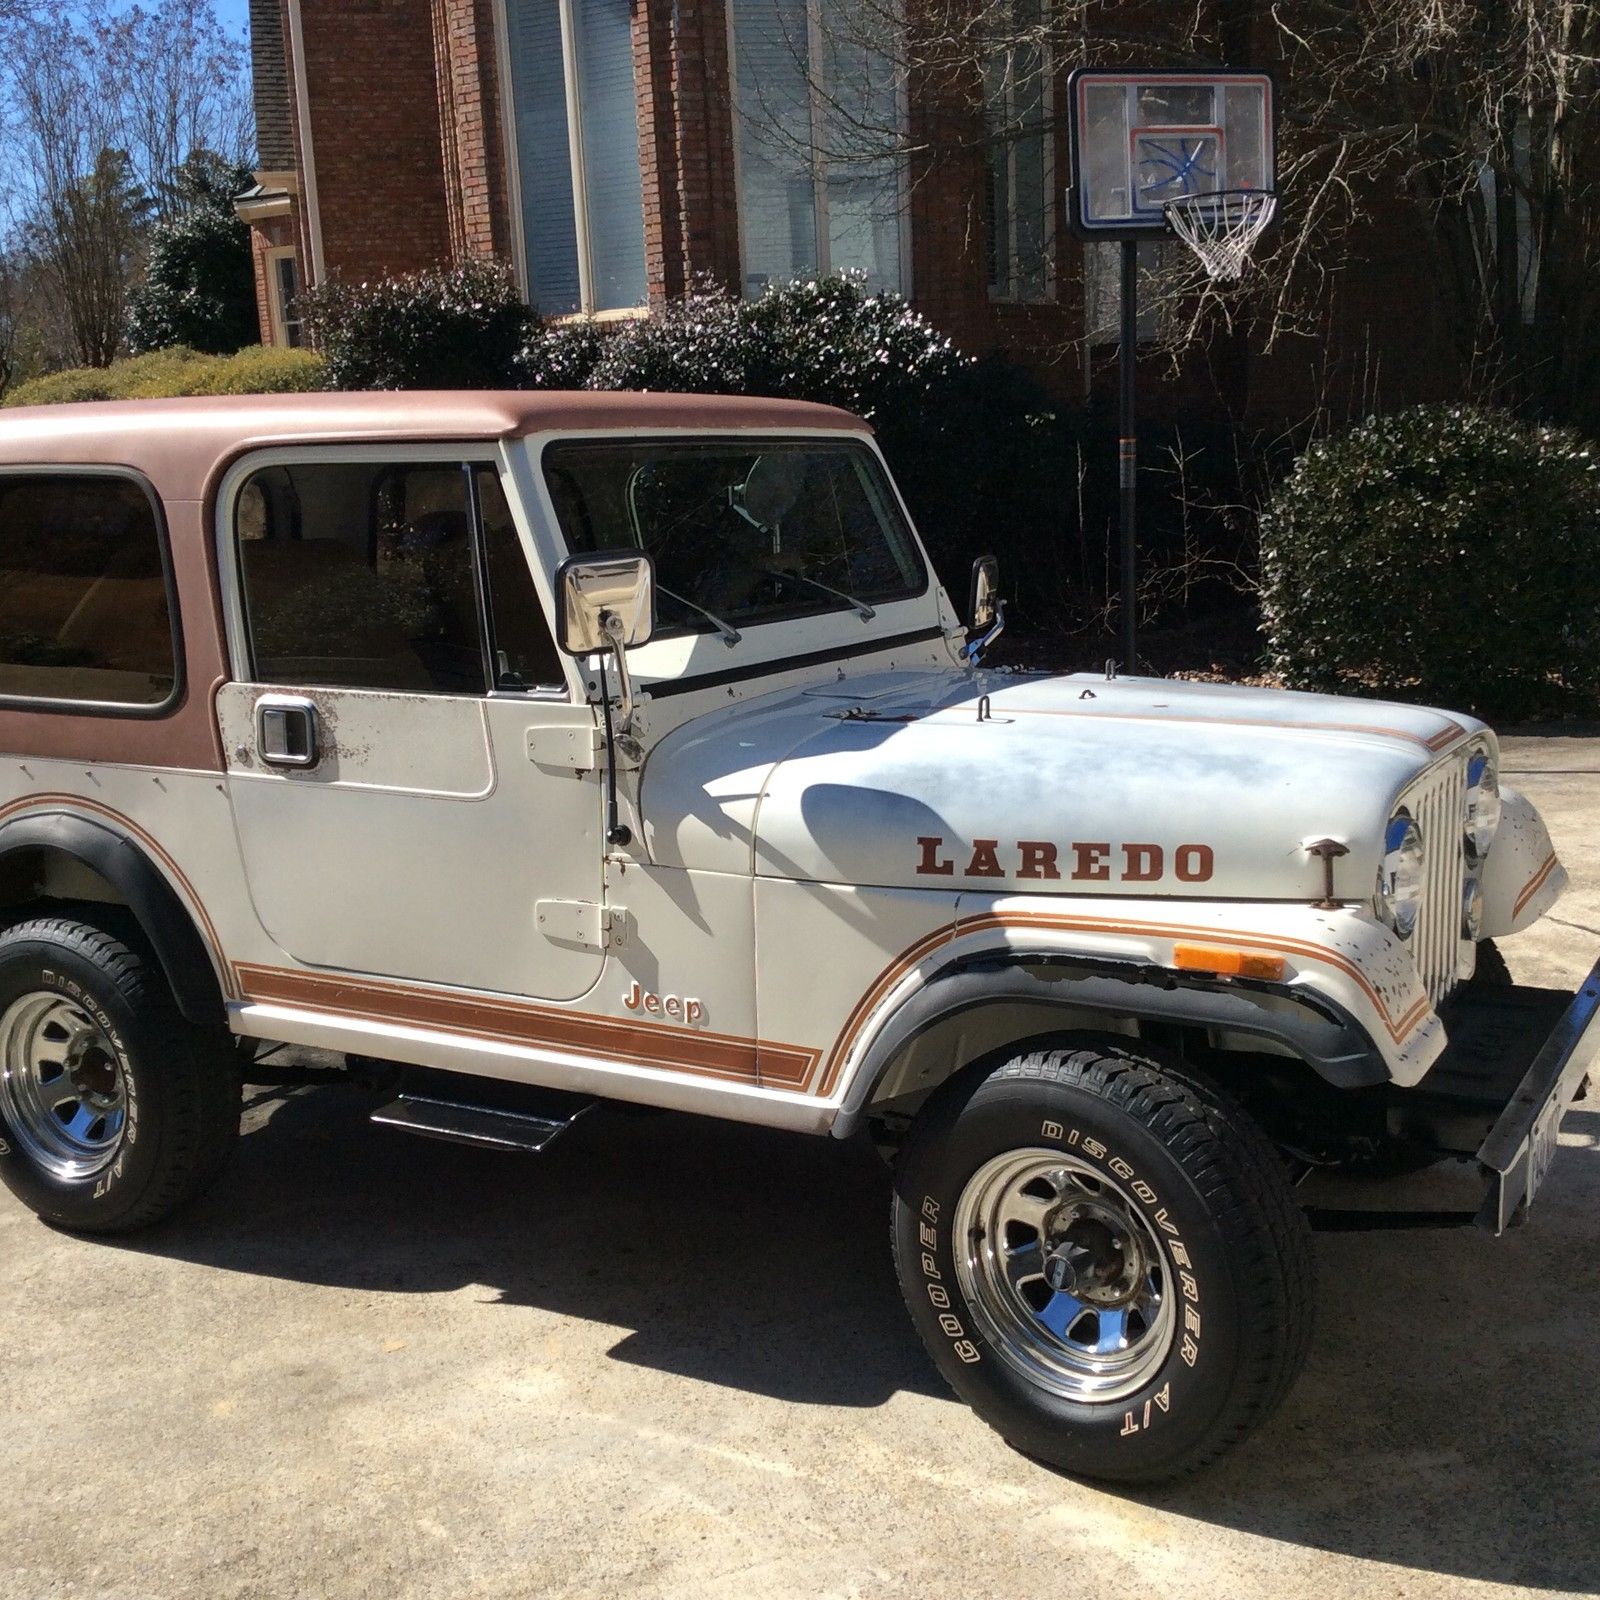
(880, 488)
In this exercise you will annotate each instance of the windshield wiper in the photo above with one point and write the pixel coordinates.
(863, 610)
(730, 634)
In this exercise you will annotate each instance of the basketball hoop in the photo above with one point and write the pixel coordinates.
(1222, 226)
(1154, 152)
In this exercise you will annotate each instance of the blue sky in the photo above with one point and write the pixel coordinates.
(233, 14)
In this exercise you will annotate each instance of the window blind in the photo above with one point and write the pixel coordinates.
(610, 121)
(544, 155)
(777, 187)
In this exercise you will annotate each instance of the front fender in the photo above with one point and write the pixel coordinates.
(1522, 878)
(1314, 1029)
(1348, 1000)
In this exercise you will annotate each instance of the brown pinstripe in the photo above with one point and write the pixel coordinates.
(512, 1021)
(1535, 883)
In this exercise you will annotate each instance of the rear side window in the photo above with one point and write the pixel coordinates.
(85, 608)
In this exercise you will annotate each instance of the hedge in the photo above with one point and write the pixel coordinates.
(1441, 553)
(460, 327)
(260, 369)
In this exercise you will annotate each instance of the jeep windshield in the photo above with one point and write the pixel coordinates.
(741, 533)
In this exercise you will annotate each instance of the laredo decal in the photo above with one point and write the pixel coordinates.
(1102, 862)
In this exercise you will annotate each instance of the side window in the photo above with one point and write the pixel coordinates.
(366, 576)
(525, 649)
(85, 612)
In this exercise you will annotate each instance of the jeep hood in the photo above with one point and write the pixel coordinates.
(1066, 785)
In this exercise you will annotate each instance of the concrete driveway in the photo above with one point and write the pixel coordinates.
(668, 1358)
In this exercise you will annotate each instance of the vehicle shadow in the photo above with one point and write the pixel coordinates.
(1447, 1419)
(743, 1257)
(1449, 1412)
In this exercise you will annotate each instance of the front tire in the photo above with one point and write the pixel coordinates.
(1104, 1258)
(114, 1111)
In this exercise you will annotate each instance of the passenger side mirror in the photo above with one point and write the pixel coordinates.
(605, 602)
(985, 593)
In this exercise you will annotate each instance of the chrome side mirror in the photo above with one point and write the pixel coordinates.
(607, 602)
(986, 608)
(985, 592)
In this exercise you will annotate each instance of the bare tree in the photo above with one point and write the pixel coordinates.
(1477, 120)
(80, 217)
(105, 108)
(10, 331)
(179, 84)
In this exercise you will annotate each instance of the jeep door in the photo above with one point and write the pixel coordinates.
(415, 787)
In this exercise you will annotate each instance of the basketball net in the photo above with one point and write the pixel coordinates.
(1222, 227)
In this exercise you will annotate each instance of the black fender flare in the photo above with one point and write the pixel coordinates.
(1314, 1028)
(162, 917)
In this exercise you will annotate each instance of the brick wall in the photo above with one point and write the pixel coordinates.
(407, 122)
(680, 52)
(269, 234)
(472, 146)
(376, 135)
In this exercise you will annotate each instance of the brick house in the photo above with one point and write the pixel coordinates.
(614, 152)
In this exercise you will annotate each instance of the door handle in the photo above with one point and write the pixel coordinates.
(286, 731)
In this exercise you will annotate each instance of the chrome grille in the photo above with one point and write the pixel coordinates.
(1437, 802)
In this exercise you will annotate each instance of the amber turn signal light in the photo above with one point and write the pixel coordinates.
(1227, 963)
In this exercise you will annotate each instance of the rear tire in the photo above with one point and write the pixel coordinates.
(114, 1110)
(1104, 1258)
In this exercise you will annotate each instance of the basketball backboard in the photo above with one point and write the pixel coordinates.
(1140, 140)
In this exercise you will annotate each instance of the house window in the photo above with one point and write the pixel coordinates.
(283, 295)
(577, 153)
(819, 120)
(1020, 194)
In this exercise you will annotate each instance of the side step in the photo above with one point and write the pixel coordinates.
(486, 1127)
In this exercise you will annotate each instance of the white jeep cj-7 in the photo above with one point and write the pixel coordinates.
(563, 748)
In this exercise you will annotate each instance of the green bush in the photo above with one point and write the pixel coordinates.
(199, 289)
(563, 355)
(1443, 553)
(260, 369)
(460, 327)
(827, 340)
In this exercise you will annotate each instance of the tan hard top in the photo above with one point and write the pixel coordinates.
(182, 446)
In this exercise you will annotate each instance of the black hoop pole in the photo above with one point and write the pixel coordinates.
(1128, 452)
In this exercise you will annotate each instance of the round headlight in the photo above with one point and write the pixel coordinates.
(1483, 805)
(1400, 876)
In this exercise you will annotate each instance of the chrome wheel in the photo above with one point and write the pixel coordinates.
(1067, 1277)
(62, 1091)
